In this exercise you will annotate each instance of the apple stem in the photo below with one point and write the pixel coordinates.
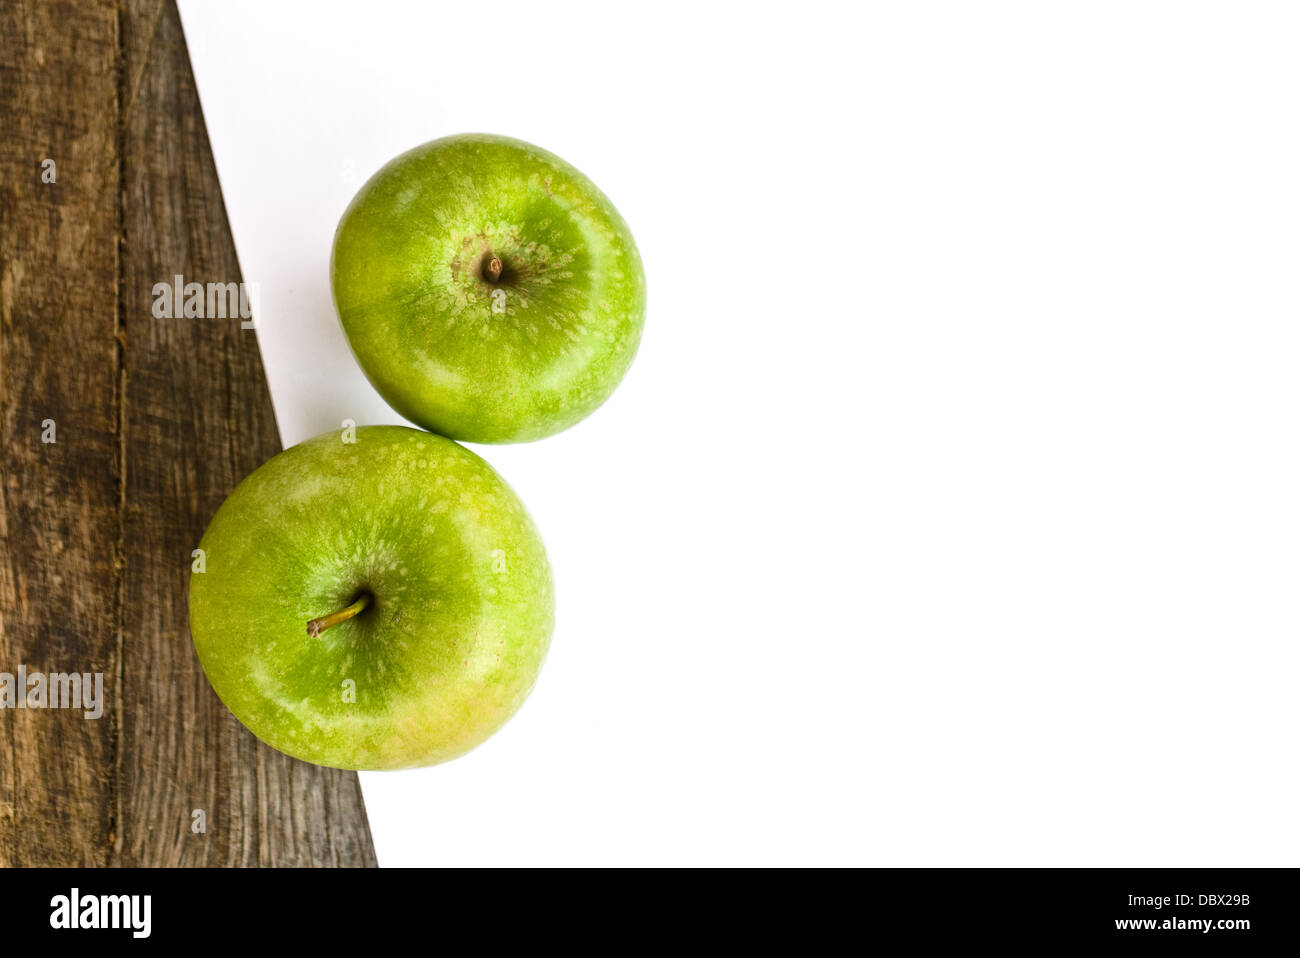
(492, 269)
(316, 626)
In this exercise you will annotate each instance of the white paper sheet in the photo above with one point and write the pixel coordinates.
(948, 514)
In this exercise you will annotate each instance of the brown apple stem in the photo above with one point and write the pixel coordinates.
(316, 626)
(492, 268)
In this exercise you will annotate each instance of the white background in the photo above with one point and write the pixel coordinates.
(950, 513)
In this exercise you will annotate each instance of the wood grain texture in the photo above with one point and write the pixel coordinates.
(158, 419)
(59, 514)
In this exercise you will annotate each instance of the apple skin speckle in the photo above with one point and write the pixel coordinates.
(512, 360)
(452, 642)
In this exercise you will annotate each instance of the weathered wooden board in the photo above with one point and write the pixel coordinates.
(59, 518)
(156, 420)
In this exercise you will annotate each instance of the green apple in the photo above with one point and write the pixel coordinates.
(378, 603)
(489, 290)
